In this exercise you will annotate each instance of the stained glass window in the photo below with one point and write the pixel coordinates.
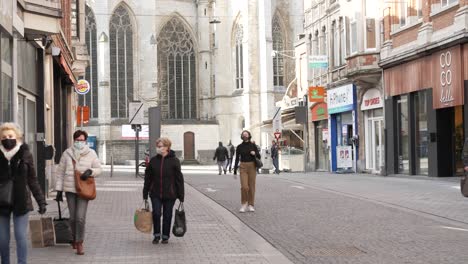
(91, 98)
(177, 72)
(121, 62)
(278, 45)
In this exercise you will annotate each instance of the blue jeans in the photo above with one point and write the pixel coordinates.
(275, 163)
(21, 230)
(77, 208)
(166, 205)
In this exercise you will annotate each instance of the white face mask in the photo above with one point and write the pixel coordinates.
(159, 150)
(79, 144)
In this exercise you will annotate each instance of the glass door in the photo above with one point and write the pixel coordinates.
(27, 121)
(321, 132)
(378, 146)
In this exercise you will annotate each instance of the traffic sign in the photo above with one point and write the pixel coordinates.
(135, 113)
(277, 135)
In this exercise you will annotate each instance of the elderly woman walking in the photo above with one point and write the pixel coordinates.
(83, 159)
(17, 176)
(164, 183)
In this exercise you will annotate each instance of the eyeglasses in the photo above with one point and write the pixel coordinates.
(81, 140)
(160, 146)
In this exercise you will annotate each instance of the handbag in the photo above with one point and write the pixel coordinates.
(180, 224)
(62, 228)
(143, 219)
(464, 186)
(258, 163)
(42, 232)
(6, 193)
(85, 189)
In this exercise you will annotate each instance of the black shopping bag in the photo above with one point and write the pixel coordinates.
(180, 224)
(63, 234)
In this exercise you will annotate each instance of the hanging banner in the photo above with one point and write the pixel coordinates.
(319, 112)
(316, 94)
(82, 87)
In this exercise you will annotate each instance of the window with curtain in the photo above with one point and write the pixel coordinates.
(278, 45)
(91, 75)
(177, 71)
(121, 62)
(239, 37)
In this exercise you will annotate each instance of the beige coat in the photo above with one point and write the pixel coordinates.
(65, 180)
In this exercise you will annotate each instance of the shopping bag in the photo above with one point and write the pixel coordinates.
(42, 232)
(143, 219)
(464, 185)
(63, 234)
(180, 225)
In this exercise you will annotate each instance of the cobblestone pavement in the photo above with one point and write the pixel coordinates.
(214, 235)
(350, 218)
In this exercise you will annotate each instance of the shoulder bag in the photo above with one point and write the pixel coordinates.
(84, 189)
(6, 193)
(464, 185)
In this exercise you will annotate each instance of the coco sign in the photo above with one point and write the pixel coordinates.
(447, 88)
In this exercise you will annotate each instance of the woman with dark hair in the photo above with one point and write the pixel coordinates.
(17, 170)
(164, 183)
(83, 159)
(246, 152)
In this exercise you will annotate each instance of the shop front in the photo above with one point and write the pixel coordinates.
(425, 114)
(319, 117)
(342, 112)
(372, 109)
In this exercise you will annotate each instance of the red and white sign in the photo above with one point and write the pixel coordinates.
(277, 135)
(372, 99)
(82, 87)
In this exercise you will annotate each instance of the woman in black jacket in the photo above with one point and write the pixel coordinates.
(164, 183)
(16, 165)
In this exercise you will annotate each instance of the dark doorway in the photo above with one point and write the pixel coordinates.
(189, 146)
(450, 137)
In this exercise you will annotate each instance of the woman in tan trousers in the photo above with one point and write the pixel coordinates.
(246, 152)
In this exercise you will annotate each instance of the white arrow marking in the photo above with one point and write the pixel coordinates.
(455, 228)
(210, 190)
(298, 187)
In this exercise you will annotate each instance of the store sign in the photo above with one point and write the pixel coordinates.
(316, 94)
(319, 112)
(371, 100)
(318, 62)
(82, 87)
(340, 99)
(344, 157)
(447, 78)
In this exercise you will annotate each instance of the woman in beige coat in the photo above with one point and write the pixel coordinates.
(89, 165)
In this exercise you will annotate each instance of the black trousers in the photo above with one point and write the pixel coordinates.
(166, 205)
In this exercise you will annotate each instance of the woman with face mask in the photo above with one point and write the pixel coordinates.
(83, 159)
(164, 183)
(246, 152)
(17, 171)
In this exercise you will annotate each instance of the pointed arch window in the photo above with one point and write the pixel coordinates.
(91, 74)
(278, 45)
(177, 71)
(121, 62)
(239, 37)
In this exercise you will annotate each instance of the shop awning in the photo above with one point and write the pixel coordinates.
(64, 65)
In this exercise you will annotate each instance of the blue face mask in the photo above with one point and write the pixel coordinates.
(79, 144)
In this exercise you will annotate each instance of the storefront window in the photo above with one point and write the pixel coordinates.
(403, 135)
(5, 77)
(321, 132)
(6, 48)
(420, 110)
(5, 98)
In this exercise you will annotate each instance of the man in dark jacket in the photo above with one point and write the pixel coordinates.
(164, 183)
(274, 155)
(232, 150)
(221, 154)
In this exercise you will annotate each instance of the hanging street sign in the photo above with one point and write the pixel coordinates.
(82, 87)
(277, 135)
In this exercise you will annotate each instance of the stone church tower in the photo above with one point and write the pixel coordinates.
(207, 63)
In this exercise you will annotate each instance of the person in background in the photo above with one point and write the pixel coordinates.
(231, 150)
(221, 155)
(274, 156)
(17, 165)
(164, 183)
(85, 160)
(246, 152)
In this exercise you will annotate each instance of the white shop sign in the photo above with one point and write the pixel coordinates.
(340, 99)
(372, 99)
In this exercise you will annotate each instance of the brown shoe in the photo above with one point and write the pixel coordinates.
(73, 244)
(79, 248)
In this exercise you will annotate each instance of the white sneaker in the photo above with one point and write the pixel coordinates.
(243, 208)
(251, 208)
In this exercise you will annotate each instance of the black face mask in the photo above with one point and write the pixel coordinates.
(9, 143)
(245, 138)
